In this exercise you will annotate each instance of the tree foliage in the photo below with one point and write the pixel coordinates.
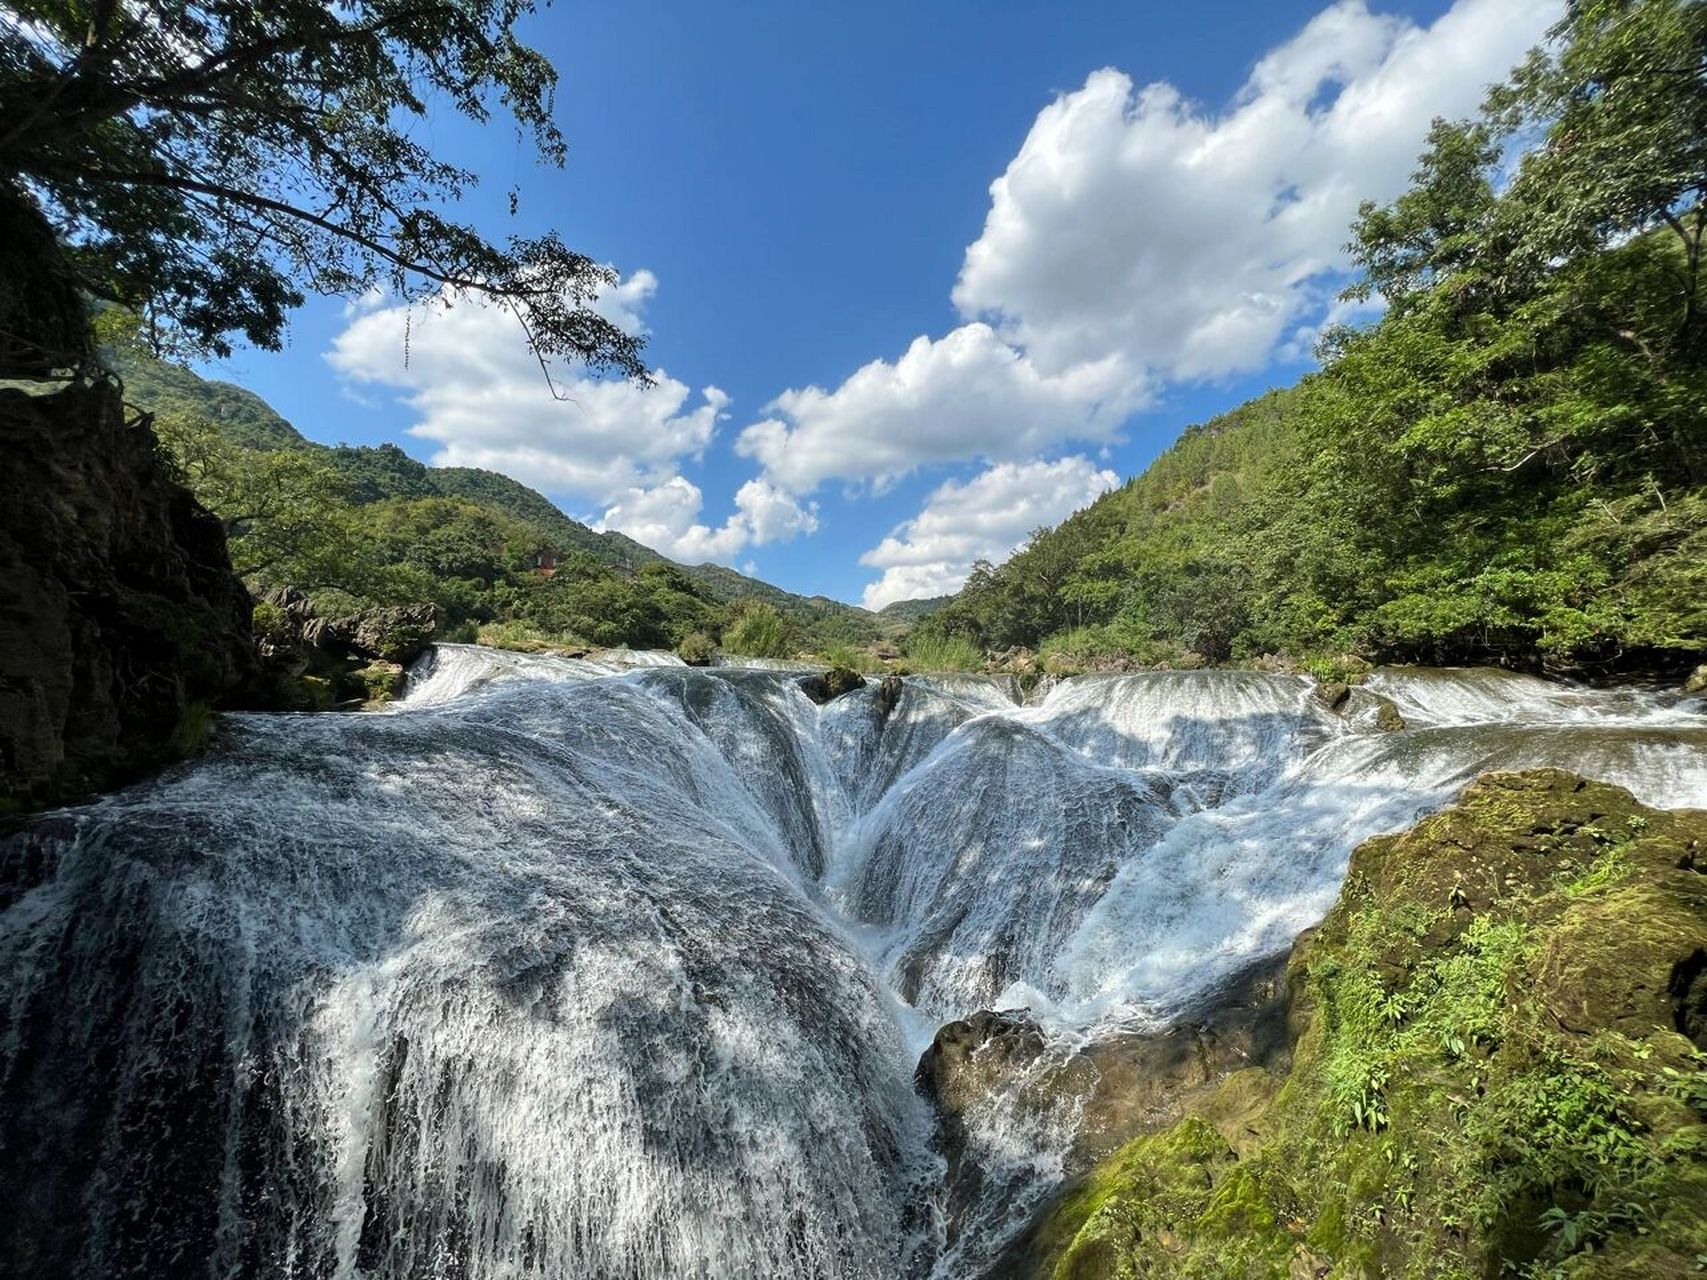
(208, 162)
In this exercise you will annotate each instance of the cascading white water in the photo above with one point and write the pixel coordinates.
(619, 969)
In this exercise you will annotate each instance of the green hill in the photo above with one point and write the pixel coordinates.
(370, 523)
(164, 388)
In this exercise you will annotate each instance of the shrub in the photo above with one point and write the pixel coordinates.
(839, 653)
(757, 631)
(933, 651)
(525, 637)
(697, 649)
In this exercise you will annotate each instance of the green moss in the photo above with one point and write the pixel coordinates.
(524, 637)
(379, 683)
(1488, 1076)
(194, 731)
(305, 693)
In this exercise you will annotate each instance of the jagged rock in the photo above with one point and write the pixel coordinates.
(121, 620)
(1387, 716)
(1332, 694)
(888, 696)
(831, 685)
(1003, 1065)
(320, 662)
(394, 633)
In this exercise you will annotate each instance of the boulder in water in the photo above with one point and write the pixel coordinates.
(1697, 682)
(831, 685)
(889, 696)
(1332, 694)
(1387, 717)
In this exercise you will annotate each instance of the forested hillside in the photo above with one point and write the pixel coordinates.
(1508, 466)
(370, 525)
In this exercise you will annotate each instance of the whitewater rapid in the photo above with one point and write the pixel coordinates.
(616, 968)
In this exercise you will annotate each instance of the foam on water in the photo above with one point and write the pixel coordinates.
(610, 967)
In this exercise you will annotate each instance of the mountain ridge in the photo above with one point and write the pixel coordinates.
(379, 472)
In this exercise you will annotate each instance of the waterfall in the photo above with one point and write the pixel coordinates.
(615, 968)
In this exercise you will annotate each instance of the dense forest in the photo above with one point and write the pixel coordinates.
(359, 526)
(1508, 466)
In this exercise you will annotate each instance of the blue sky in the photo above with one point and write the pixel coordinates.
(874, 368)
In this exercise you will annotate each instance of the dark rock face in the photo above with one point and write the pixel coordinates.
(121, 620)
(1333, 693)
(831, 685)
(1113, 1089)
(319, 661)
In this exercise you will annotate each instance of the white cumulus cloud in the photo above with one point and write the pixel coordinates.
(465, 369)
(1140, 238)
(985, 518)
(963, 396)
(1189, 242)
(665, 517)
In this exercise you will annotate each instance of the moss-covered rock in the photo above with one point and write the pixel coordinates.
(1497, 1070)
(380, 682)
(831, 685)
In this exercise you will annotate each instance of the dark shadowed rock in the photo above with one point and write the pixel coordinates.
(888, 696)
(831, 685)
(121, 620)
(1332, 693)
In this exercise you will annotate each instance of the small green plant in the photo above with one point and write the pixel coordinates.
(931, 651)
(758, 630)
(697, 649)
(839, 653)
(269, 622)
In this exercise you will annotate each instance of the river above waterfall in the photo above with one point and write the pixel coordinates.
(617, 968)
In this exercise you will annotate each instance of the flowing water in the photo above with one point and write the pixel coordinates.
(570, 968)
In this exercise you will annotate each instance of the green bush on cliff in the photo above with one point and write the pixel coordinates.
(1497, 1069)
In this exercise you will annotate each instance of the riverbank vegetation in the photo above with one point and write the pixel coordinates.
(1497, 1069)
(1509, 466)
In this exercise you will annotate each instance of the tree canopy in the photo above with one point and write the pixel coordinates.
(206, 163)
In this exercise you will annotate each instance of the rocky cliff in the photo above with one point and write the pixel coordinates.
(121, 621)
